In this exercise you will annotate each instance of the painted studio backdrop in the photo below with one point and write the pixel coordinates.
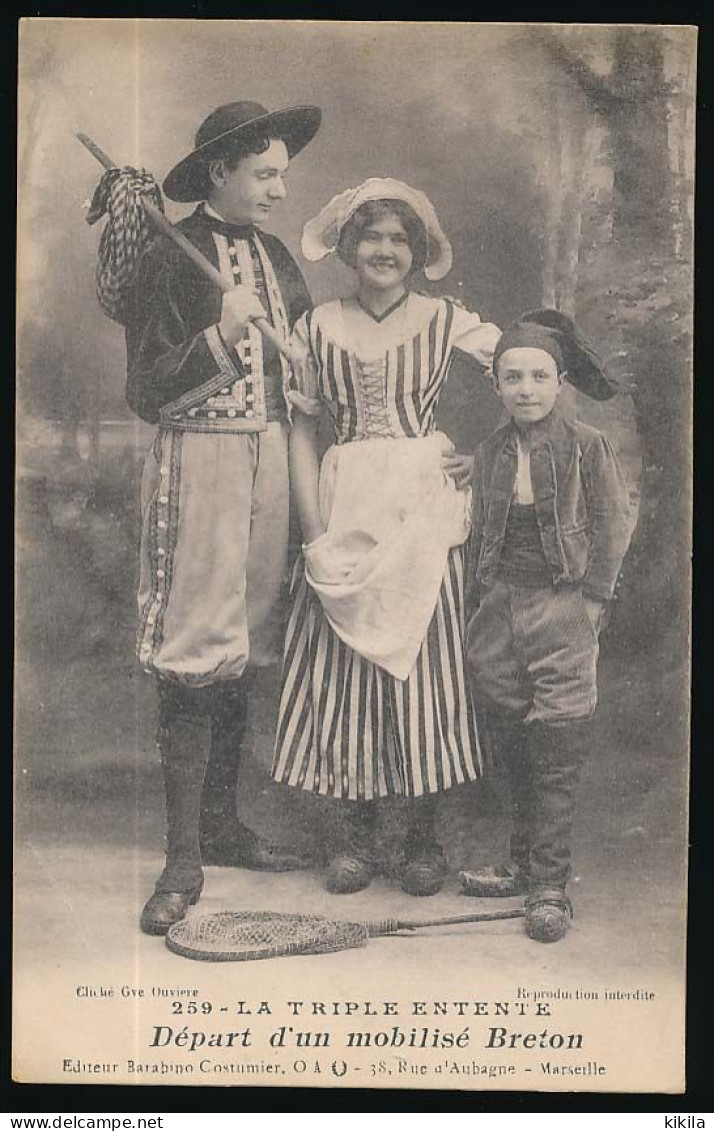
(560, 163)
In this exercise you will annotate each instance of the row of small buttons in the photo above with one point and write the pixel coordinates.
(217, 414)
(162, 525)
(244, 349)
(231, 413)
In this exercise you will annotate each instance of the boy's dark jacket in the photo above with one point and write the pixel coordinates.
(581, 500)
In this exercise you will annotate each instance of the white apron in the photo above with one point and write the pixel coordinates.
(392, 515)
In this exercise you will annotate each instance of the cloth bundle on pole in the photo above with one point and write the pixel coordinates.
(126, 233)
(242, 936)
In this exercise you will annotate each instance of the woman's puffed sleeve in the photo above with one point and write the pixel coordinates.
(303, 390)
(474, 337)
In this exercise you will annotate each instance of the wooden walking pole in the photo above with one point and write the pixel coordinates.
(159, 220)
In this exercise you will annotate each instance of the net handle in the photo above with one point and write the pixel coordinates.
(390, 926)
(159, 220)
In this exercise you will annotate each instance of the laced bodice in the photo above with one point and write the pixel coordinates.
(386, 380)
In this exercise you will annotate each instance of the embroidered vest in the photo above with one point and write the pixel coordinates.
(231, 401)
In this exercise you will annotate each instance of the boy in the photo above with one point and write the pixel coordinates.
(551, 527)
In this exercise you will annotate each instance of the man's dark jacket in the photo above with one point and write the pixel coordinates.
(173, 303)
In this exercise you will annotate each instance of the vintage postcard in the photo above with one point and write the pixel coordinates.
(354, 511)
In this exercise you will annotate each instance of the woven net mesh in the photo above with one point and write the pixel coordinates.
(235, 936)
(126, 233)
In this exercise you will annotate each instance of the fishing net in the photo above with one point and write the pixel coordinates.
(126, 233)
(242, 936)
(230, 936)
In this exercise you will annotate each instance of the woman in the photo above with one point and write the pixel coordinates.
(374, 700)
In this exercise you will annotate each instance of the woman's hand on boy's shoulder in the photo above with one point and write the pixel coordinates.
(459, 468)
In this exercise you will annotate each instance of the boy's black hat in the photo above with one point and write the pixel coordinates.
(556, 333)
(296, 126)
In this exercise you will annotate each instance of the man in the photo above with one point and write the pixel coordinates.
(215, 488)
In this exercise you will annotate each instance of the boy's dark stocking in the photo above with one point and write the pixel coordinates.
(556, 758)
(556, 752)
(510, 736)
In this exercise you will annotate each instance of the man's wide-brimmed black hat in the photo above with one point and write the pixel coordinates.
(295, 126)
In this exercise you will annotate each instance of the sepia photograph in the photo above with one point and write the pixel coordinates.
(353, 554)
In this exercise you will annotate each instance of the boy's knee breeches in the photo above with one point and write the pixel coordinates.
(533, 651)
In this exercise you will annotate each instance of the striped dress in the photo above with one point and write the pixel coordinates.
(346, 727)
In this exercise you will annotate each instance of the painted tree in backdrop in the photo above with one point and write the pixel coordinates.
(618, 252)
